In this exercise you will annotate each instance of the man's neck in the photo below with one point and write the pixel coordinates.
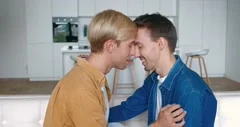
(100, 61)
(165, 64)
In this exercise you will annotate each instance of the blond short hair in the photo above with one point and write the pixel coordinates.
(110, 24)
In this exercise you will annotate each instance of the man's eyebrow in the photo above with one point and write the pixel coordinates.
(135, 42)
(138, 43)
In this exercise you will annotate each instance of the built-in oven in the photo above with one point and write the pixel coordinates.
(65, 29)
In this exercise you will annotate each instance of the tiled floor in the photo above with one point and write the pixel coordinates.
(23, 86)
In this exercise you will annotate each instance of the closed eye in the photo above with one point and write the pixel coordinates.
(139, 46)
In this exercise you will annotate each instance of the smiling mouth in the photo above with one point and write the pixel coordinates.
(129, 60)
(132, 58)
(142, 59)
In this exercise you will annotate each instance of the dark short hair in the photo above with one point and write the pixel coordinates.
(158, 26)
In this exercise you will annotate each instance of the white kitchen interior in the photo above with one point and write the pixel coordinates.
(28, 49)
(27, 32)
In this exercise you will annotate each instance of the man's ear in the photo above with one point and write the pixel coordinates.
(110, 45)
(162, 42)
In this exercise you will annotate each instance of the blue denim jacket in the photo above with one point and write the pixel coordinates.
(182, 86)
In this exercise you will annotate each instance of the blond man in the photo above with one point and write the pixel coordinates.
(81, 97)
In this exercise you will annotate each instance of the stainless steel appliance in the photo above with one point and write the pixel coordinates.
(65, 29)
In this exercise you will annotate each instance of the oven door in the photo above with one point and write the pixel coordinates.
(65, 30)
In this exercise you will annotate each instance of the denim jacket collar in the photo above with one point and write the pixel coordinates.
(178, 65)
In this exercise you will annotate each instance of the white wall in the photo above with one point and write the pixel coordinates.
(13, 44)
(233, 41)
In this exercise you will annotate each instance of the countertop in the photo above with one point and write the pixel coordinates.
(75, 49)
(25, 87)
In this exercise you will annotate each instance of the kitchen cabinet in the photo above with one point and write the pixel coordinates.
(86, 7)
(190, 22)
(64, 8)
(134, 7)
(202, 24)
(39, 39)
(214, 35)
(38, 21)
(168, 7)
(164, 7)
(128, 7)
(40, 61)
(150, 6)
(119, 5)
(57, 59)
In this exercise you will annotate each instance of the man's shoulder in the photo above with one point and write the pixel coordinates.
(189, 81)
(75, 81)
(188, 76)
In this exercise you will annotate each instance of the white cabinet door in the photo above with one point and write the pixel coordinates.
(135, 7)
(40, 60)
(58, 59)
(168, 7)
(190, 22)
(39, 21)
(119, 5)
(86, 7)
(64, 8)
(214, 35)
(150, 6)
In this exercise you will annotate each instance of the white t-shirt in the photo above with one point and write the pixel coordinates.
(103, 89)
(159, 95)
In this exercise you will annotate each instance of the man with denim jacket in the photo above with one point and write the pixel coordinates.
(171, 82)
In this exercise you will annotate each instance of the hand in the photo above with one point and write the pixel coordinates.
(169, 115)
(84, 56)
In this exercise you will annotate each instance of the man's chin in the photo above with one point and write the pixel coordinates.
(122, 67)
(147, 69)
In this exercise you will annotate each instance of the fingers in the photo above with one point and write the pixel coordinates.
(177, 112)
(173, 108)
(180, 117)
(166, 107)
(181, 123)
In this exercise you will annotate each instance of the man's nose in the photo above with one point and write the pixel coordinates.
(137, 52)
(132, 51)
